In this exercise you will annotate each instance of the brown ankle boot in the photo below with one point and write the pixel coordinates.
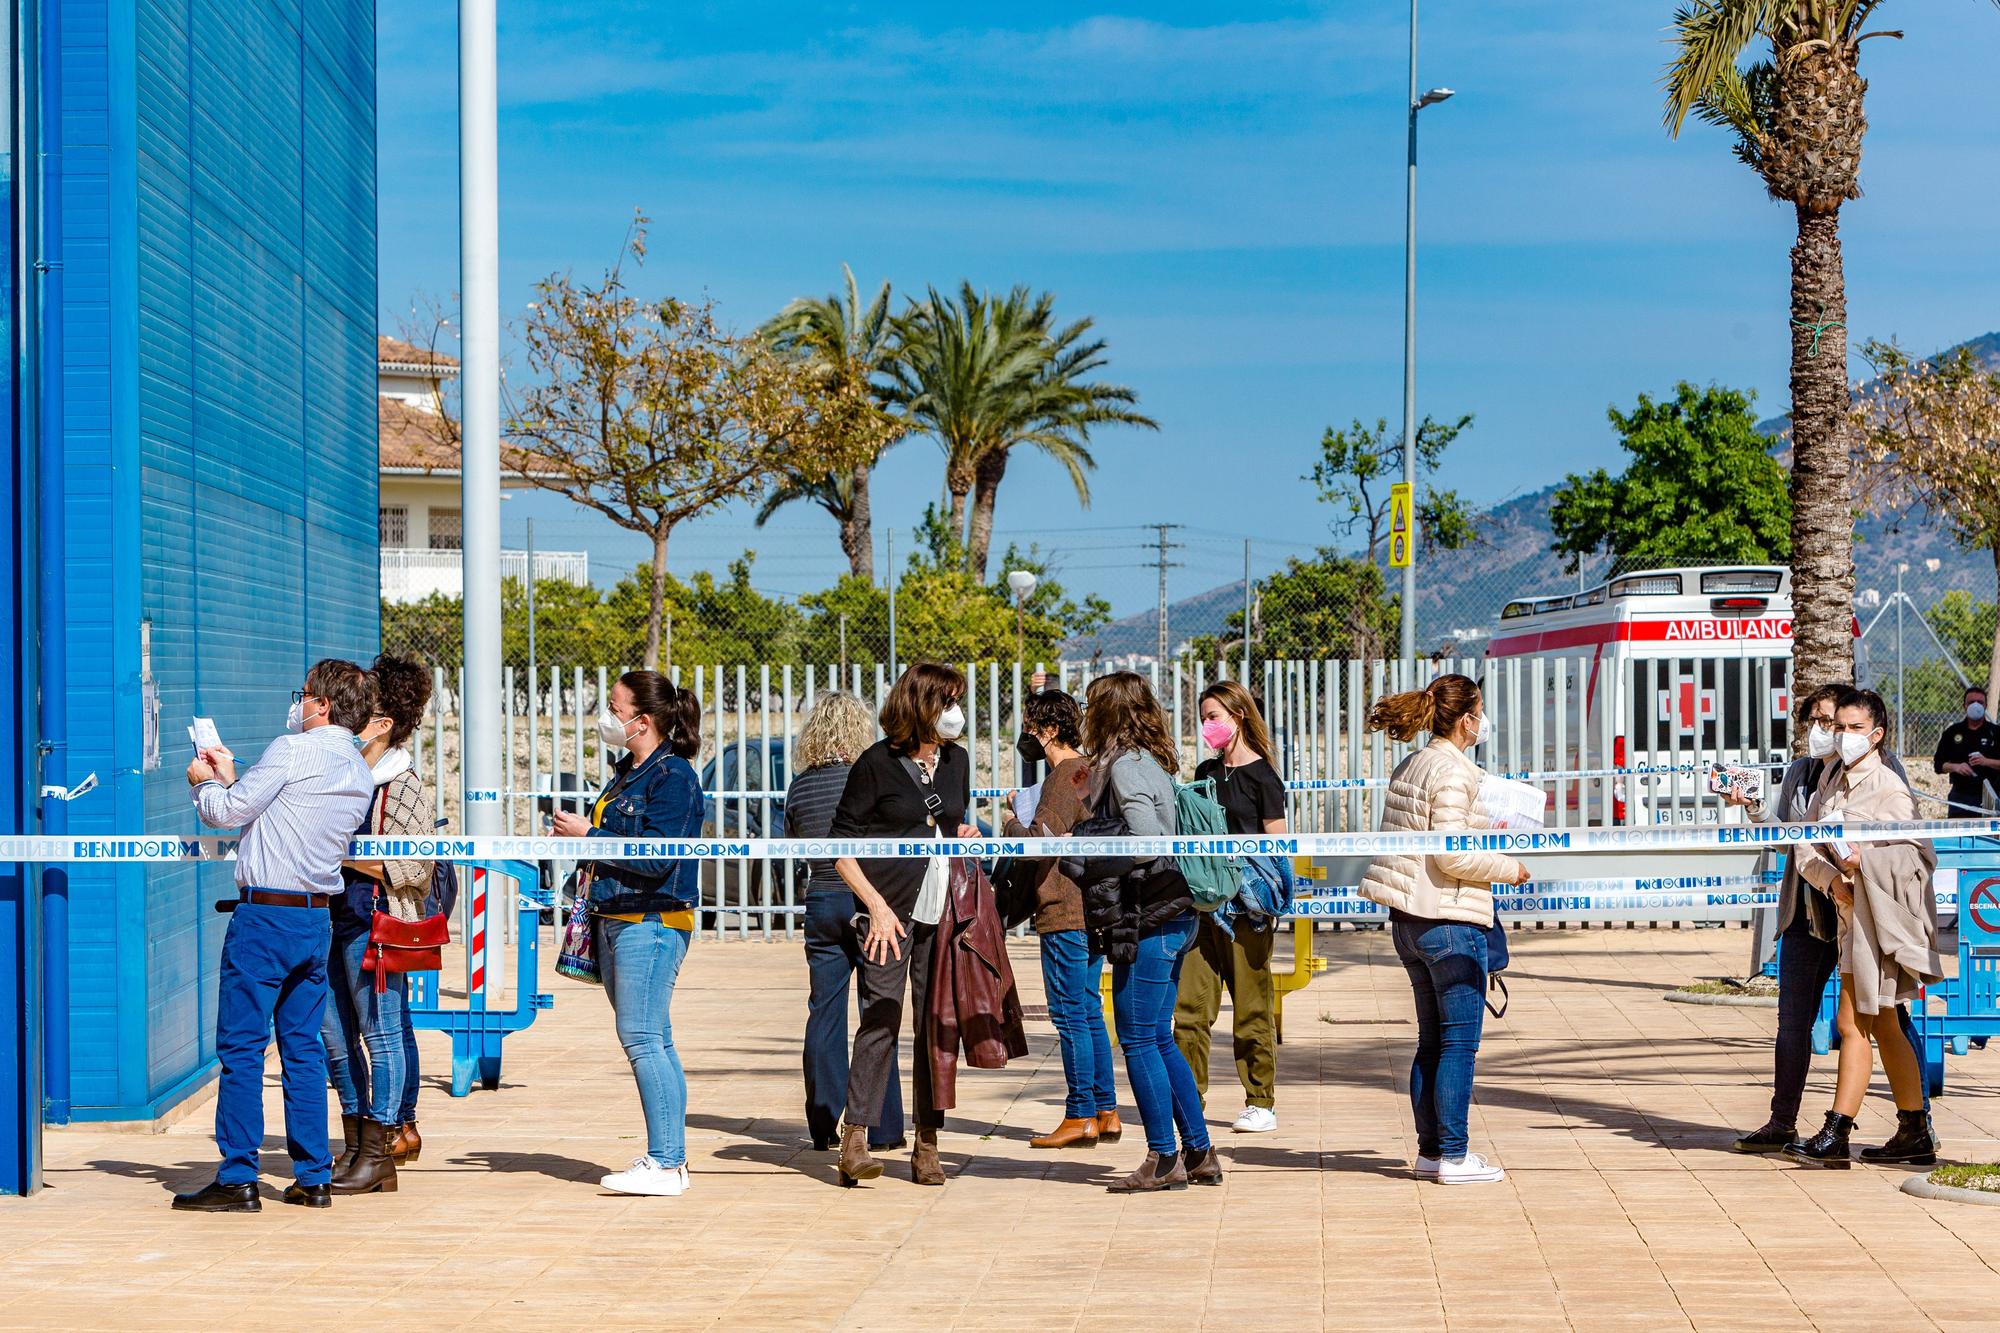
(1153, 1174)
(373, 1170)
(1071, 1133)
(405, 1144)
(350, 1143)
(1109, 1128)
(925, 1168)
(856, 1164)
(1203, 1166)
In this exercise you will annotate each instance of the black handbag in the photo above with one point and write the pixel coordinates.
(1016, 883)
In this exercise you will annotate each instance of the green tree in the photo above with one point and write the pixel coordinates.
(1701, 488)
(1358, 465)
(984, 375)
(1966, 627)
(1798, 122)
(850, 348)
(1930, 433)
(1329, 607)
(714, 621)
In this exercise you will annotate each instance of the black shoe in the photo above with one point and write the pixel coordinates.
(1913, 1145)
(1773, 1137)
(310, 1196)
(217, 1197)
(1827, 1148)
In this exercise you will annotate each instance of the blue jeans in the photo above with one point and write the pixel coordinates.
(1447, 965)
(833, 955)
(1143, 993)
(640, 961)
(273, 971)
(385, 1087)
(1072, 974)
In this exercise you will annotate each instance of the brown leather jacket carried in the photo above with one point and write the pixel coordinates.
(972, 1001)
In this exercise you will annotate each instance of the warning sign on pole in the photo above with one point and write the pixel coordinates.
(1399, 526)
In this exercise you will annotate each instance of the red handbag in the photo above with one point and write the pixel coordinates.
(396, 945)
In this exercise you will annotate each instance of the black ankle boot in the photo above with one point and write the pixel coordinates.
(1773, 1137)
(1828, 1147)
(1914, 1144)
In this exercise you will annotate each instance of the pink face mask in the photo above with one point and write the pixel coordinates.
(1217, 734)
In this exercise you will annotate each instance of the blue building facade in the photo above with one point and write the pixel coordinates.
(201, 343)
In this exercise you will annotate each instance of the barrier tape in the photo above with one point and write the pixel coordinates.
(1529, 842)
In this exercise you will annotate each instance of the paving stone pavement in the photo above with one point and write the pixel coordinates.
(1611, 1110)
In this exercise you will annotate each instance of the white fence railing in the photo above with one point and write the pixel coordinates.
(1550, 714)
(410, 574)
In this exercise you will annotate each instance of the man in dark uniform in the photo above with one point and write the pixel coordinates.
(1969, 752)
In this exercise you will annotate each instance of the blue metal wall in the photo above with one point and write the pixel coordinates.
(219, 214)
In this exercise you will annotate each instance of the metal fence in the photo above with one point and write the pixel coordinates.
(1544, 717)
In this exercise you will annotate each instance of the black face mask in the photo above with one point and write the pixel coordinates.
(1029, 748)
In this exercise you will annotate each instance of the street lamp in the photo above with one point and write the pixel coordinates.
(1021, 582)
(1418, 101)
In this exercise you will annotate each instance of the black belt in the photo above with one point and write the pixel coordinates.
(273, 898)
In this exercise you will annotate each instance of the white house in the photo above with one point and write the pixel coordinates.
(419, 507)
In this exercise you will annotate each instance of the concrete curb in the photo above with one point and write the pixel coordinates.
(1924, 1189)
(1725, 1001)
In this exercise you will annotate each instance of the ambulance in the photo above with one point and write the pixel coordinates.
(1676, 668)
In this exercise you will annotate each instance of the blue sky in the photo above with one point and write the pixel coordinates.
(1224, 196)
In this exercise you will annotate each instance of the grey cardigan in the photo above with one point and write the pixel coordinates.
(1142, 790)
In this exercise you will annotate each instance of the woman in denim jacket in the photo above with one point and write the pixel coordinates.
(644, 910)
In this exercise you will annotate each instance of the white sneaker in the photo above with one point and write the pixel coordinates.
(1256, 1120)
(646, 1176)
(1471, 1169)
(1427, 1167)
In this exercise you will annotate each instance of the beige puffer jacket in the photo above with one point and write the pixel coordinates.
(1436, 789)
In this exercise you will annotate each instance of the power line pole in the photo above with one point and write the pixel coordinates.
(1165, 546)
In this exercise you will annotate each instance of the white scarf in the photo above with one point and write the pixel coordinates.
(392, 765)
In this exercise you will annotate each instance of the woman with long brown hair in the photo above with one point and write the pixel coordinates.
(1440, 908)
(1251, 793)
(915, 782)
(1133, 762)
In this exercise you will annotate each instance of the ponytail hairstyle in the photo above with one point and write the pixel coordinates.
(1241, 705)
(1437, 708)
(1119, 714)
(676, 713)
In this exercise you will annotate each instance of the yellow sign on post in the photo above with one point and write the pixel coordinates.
(1399, 526)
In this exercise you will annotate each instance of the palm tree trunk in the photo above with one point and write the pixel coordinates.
(857, 535)
(985, 491)
(656, 598)
(1822, 484)
(958, 485)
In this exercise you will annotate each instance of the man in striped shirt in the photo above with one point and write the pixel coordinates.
(298, 807)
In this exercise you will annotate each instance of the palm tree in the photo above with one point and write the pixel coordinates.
(1798, 121)
(852, 347)
(983, 375)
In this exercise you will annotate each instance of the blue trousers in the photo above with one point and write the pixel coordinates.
(1071, 975)
(384, 1086)
(273, 973)
(639, 962)
(833, 956)
(1446, 961)
(1143, 993)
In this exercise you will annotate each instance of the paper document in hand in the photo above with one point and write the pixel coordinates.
(1026, 802)
(204, 734)
(1511, 804)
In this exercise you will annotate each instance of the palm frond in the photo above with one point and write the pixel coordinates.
(1709, 36)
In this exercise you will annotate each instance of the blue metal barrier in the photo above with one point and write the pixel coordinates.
(477, 1031)
(1970, 1000)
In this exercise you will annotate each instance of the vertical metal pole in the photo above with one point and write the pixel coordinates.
(1246, 613)
(1900, 696)
(890, 582)
(534, 693)
(479, 285)
(1410, 351)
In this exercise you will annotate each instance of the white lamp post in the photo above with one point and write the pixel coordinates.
(1022, 582)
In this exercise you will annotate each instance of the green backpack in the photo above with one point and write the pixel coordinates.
(1213, 880)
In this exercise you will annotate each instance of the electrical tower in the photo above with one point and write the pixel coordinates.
(1165, 546)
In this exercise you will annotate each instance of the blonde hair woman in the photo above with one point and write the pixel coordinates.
(1251, 792)
(1440, 908)
(837, 730)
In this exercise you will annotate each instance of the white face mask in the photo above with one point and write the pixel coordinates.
(1483, 732)
(1975, 712)
(1820, 742)
(611, 733)
(295, 718)
(1854, 747)
(951, 723)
